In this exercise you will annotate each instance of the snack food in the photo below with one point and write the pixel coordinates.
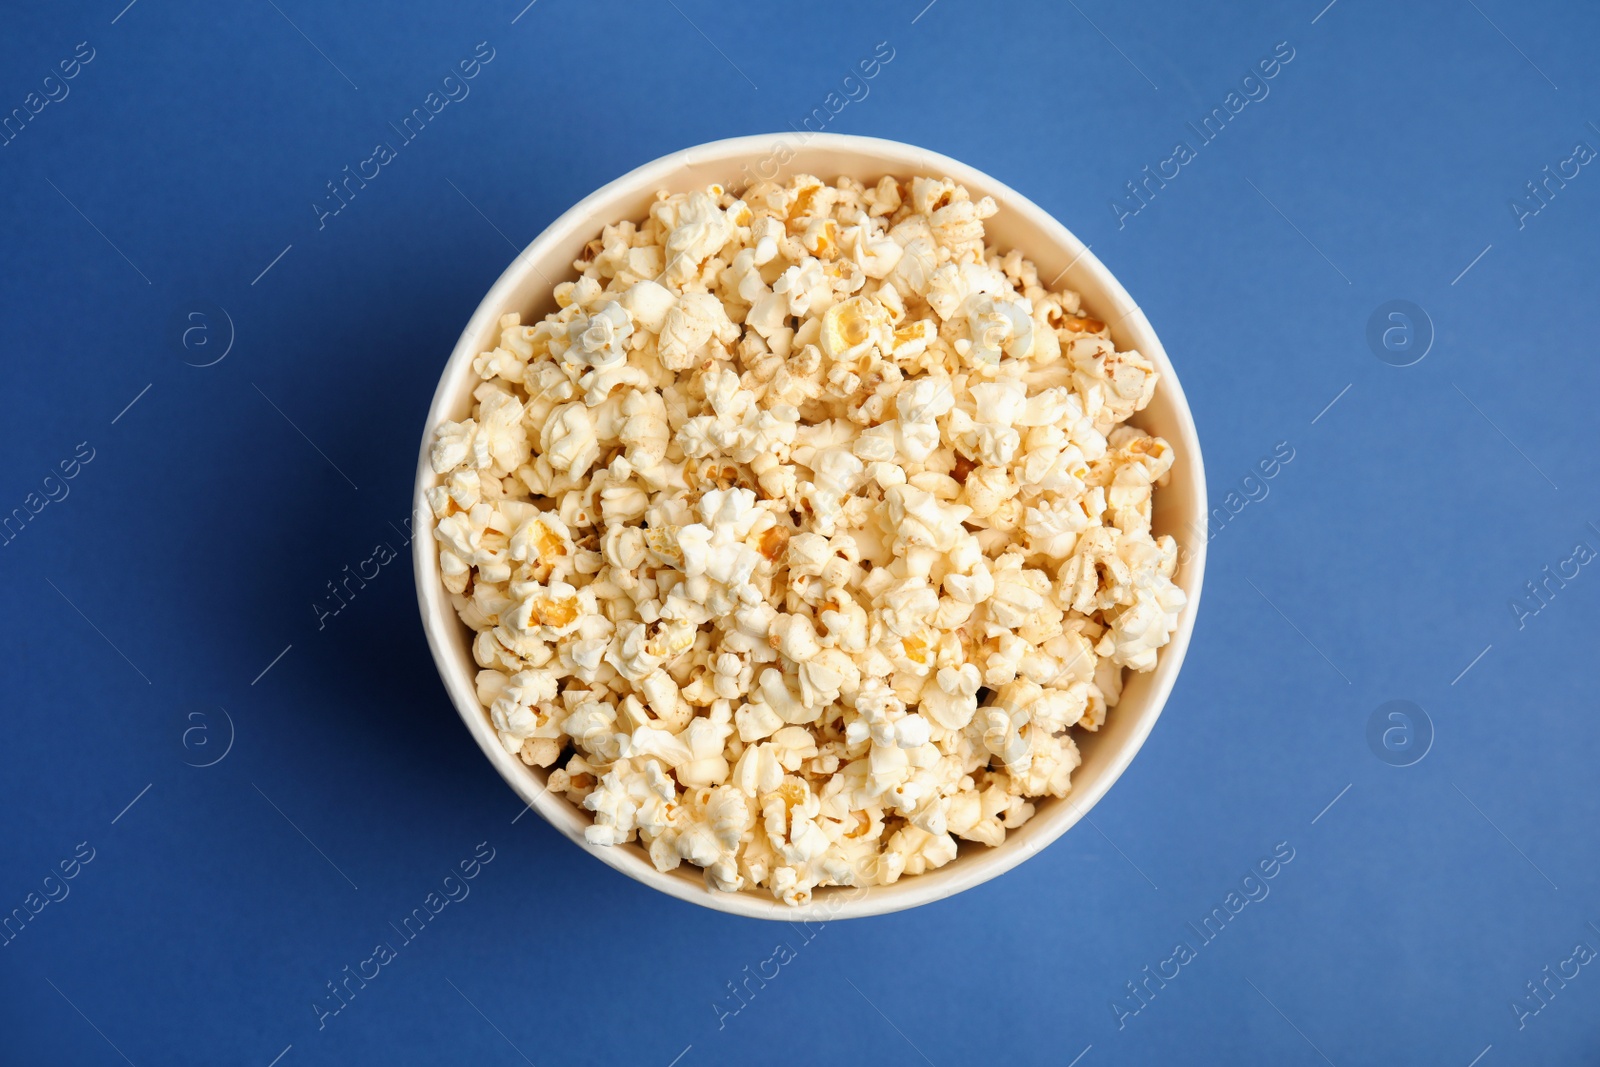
(800, 536)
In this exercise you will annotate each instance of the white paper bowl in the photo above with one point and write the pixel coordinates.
(1180, 506)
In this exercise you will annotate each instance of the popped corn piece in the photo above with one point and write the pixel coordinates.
(695, 328)
(600, 340)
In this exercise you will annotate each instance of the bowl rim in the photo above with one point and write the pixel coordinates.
(842, 902)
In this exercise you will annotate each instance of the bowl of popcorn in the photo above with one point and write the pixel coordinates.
(815, 526)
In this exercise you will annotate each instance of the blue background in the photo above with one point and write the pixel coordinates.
(1382, 561)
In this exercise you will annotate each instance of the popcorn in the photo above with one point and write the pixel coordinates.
(950, 697)
(568, 440)
(698, 228)
(919, 519)
(707, 830)
(855, 327)
(801, 537)
(694, 322)
(599, 340)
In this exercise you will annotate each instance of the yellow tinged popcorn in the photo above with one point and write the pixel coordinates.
(850, 326)
(554, 612)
